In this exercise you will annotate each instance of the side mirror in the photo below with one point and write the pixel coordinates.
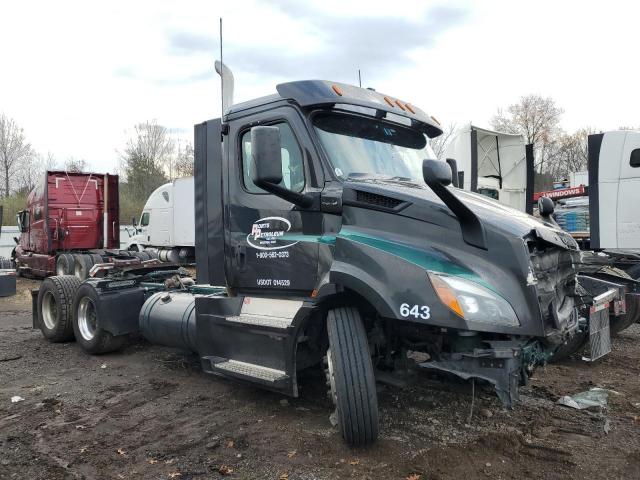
(545, 206)
(134, 222)
(266, 165)
(436, 172)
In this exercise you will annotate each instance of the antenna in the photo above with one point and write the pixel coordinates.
(359, 79)
(221, 76)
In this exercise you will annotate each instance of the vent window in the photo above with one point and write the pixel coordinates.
(635, 158)
(377, 200)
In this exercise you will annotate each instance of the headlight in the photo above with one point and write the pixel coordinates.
(472, 301)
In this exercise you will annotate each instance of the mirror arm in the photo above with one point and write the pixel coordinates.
(299, 199)
(472, 228)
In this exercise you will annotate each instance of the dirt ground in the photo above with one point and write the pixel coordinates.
(149, 412)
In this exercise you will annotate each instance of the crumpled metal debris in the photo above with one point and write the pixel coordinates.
(594, 397)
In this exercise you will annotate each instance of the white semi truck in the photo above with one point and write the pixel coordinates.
(167, 223)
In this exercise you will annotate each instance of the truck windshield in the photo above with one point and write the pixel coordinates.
(364, 146)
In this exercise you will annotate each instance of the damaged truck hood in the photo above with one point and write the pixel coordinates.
(491, 213)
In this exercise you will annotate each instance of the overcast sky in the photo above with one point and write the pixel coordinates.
(77, 77)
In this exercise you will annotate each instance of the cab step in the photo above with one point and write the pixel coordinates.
(252, 339)
(247, 370)
(261, 321)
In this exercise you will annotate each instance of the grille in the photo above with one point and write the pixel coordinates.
(377, 200)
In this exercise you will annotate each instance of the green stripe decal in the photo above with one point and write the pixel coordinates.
(428, 260)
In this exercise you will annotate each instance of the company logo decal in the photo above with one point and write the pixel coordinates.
(268, 234)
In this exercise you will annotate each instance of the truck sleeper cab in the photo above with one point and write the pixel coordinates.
(69, 224)
(313, 215)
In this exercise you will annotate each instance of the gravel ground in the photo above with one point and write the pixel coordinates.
(149, 412)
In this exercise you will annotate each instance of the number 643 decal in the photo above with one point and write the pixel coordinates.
(417, 311)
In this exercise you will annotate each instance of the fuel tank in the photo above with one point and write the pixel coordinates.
(169, 318)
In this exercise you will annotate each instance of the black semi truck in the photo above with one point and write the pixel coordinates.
(328, 234)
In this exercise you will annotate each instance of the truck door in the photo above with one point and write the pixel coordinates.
(629, 193)
(272, 243)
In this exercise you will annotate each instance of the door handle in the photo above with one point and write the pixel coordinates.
(241, 256)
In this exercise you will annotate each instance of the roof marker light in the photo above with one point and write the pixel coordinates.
(435, 120)
(400, 104)
(389, 101)
(409, 107)
(337, 89)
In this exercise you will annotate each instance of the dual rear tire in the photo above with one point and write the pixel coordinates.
(69, 309)
(87, 323)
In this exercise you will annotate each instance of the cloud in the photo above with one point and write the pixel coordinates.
(337, 46)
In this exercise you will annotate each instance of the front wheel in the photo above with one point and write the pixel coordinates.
(574, 345)
(87, 324)
(351, 377)
(624, 321)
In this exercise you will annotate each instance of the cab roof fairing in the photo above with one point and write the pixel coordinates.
(310, 93)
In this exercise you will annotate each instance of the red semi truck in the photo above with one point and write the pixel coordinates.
(71, 222)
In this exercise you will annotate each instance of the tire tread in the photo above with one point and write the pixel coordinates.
(353, 372)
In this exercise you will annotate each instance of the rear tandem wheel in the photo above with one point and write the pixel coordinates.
(89, 333)
(54, 307)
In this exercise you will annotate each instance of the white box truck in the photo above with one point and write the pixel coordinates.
(167, 223)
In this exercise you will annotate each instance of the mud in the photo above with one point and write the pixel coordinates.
(149, 412)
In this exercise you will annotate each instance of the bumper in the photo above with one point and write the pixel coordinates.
(506, 365)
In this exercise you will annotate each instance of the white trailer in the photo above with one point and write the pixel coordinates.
(496, 164)
(167, 223)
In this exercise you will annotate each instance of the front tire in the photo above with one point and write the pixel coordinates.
(624, 321)
(351, 377)
(55, 299)
(87, 328)
(574, 345)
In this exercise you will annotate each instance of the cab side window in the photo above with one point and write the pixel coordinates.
(635, 158)
(144, 220)
(23, 221)
(292, 160)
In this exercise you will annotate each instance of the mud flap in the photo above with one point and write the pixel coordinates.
(501, 367)
(599, 334)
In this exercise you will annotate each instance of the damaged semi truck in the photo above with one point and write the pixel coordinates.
(327, 234)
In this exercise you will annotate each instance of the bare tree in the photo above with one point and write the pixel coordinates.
(76, 164)
(145, 159)
(49, 162)
(14, 151)
(440, 143)
(568, 153)
(184, 161)
(536, 118)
